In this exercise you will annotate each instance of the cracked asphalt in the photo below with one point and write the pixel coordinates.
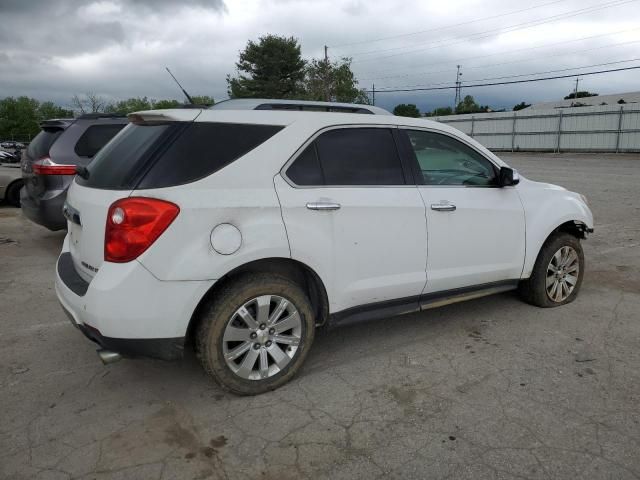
(491, 388)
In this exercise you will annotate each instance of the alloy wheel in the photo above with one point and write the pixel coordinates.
(562, 274)
(262, 337)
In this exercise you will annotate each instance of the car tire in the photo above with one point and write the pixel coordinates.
(555, 281)
(12, 195)
(225, 329)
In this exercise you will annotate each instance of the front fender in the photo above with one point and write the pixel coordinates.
(546, 208)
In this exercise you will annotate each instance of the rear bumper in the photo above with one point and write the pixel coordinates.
(45, 211)
(127, 310)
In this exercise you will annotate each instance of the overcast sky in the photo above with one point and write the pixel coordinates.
(51, 49)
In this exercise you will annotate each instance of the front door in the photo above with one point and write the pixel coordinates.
(352, 215)
(475, 229)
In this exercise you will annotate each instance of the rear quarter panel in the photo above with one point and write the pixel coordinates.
(241, 194)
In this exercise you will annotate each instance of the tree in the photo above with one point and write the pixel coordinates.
(621, 101)
(469, 105)
(166, 104)
(88, 103)
(521, 106)
(200, 100)
(406, 110)
(129, 105)
(441, 112)
(20, 117)
(271, 68)
(332, 82)
(580, 94)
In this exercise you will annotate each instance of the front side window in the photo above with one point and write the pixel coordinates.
(443, 160)
(349, 157)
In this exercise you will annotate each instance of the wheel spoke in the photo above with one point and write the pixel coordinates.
(248, 362)
(238, 351)
(558, 297)
(572, 268)
(235, 334)
(557, 258)
(264, 363)
(264, 304)
(278, 356)
(550, 280)
(554, 287)
(571, 280)
(288, 323)
(571, 258)
(287, 339)
(278, 311)
(247, 318)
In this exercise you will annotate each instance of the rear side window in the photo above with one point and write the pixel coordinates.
(40, 145)
(164, 155)
(94, 138)
(350, 156)
(204, 148)
(118, 165)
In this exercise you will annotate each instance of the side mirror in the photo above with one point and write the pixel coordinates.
(508, 177)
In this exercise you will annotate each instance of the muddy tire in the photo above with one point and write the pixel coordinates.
(255, 333)
(557, 274)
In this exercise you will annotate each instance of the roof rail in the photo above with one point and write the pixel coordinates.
(86, 116)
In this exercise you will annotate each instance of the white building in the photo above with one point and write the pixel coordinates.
(629, 97)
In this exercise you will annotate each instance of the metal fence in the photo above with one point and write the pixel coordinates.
(604, 128)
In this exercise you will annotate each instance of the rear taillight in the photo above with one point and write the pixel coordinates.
(133, 224)
(46, 166)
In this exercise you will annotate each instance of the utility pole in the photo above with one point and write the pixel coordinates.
(575, 92)
(326, 78)
(373, 91)
(458, 98)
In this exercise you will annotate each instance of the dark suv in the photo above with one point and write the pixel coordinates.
(49, 163)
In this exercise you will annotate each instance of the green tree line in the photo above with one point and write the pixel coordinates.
(20, 117)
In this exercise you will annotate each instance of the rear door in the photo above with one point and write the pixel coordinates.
(354, 216)
(475, 229)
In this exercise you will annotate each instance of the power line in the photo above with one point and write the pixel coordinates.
(488, 33)
(518, 51)
(507, 83)
(446, 27)
(526, 74)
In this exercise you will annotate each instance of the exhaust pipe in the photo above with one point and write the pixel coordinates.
(108, 357)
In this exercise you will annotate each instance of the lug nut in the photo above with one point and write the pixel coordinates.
(272, 331)
(268, 344)
(263, 326)
(253, 335)
(256, 346)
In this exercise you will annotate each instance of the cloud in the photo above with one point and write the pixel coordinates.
(52, 49)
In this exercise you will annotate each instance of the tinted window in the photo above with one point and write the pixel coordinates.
(118, 164)
(359, 156)
(204, 148)
(306, 168)
(94, 138)
(40, 145)
(443, 160)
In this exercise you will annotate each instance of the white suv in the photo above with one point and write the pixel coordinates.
(244, 230)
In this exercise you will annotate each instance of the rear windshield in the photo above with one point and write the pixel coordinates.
(163, 155)
(40, 145)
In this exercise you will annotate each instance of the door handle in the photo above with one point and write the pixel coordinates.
(323, 206)
(443, 207)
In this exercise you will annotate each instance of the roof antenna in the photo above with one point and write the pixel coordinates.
(183, 90)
